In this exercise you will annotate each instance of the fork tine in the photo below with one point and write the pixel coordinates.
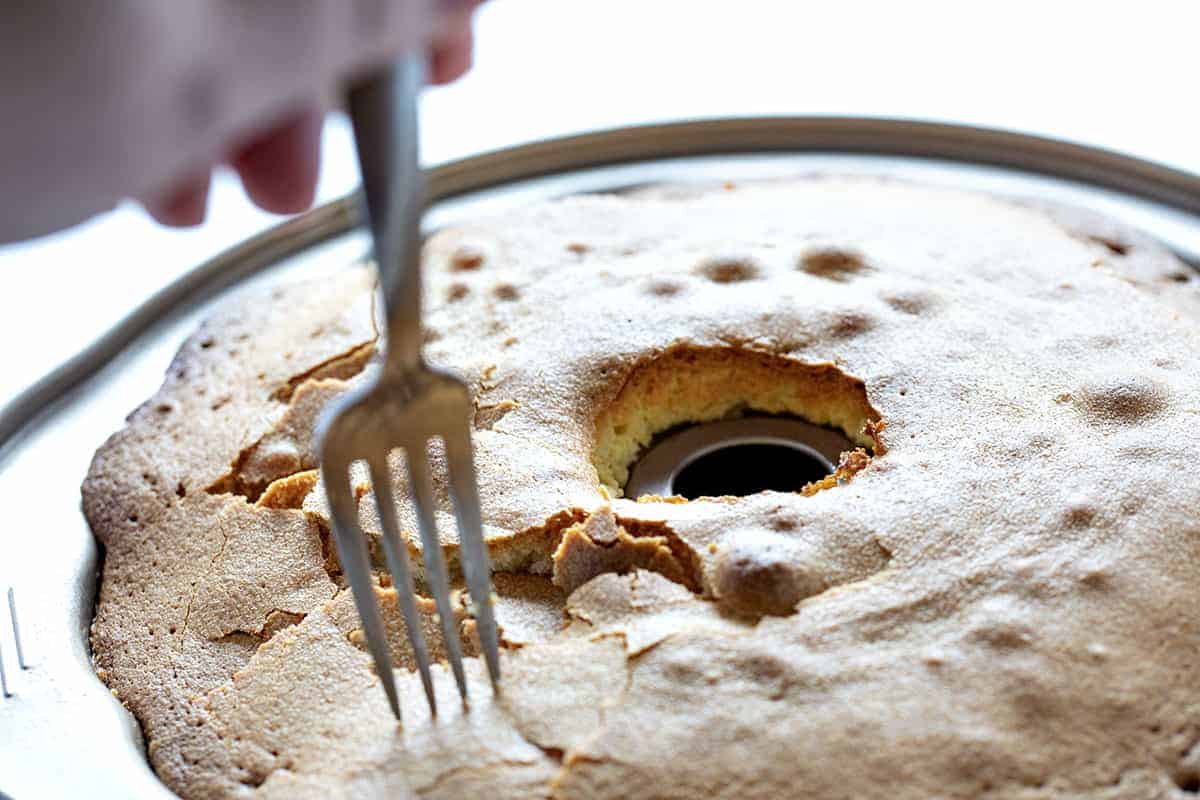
(435, 563)
(356, 565)
(475, 562)
(396, 552)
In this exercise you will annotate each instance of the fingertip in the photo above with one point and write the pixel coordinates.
(279, 167)
(184, 206)
(448, 64)
(452, 51)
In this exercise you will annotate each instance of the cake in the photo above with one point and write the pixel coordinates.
(994, 595)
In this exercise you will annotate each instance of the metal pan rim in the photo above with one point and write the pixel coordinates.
(907, 138)
(71, 410)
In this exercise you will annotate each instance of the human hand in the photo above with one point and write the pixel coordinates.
(278, 165)
(143, 99)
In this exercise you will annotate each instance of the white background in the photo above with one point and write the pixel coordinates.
(1121, 75)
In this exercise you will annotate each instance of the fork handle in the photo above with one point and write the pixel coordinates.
(383, 111)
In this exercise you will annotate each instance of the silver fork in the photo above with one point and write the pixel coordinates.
(407, 406)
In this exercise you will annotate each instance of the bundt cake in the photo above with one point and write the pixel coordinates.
(995, 594)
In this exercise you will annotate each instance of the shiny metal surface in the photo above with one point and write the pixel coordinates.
(405, 407)
(18, 659)
(655, 471)
(47, 552)
(5, 691)
(22, 662)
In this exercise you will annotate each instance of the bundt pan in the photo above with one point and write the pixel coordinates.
(61, 733)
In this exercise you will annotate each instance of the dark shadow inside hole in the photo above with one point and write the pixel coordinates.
(1189, 782)
(744, 469)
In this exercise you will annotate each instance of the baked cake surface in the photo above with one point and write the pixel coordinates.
(995, 596)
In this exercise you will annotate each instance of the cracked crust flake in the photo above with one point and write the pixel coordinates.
(1001, 602)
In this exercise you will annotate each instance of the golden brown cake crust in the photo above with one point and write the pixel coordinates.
(997, 598)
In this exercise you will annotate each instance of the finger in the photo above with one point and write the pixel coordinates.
(450, 62)
(452, 49)
(185, 205)
(279, 166)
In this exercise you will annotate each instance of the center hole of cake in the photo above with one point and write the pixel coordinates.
(737, 457)
(741, 469)
(724, 422)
